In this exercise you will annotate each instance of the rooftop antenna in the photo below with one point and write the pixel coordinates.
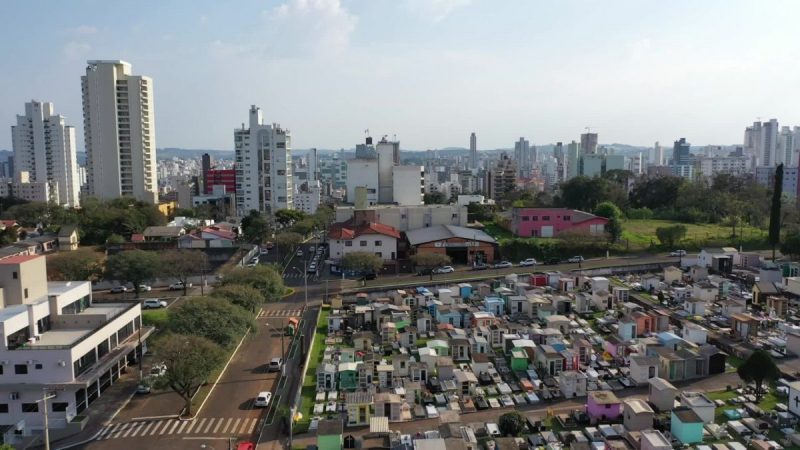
(588, 129)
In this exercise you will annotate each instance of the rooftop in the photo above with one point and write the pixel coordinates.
(686, 415)
(603, 397)
(638, 406)
(443, 232)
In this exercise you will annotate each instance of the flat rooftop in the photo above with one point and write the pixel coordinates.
(62, 287)
(61, 337)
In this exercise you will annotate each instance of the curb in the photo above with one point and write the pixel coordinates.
(146, 418)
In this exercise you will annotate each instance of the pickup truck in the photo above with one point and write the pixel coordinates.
(178, 286)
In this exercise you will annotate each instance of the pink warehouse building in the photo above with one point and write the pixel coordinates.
(550, 222)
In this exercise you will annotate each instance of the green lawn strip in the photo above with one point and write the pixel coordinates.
(641, 234)
(309, 390)
(154, 317)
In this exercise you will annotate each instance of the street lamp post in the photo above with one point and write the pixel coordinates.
(45, 398)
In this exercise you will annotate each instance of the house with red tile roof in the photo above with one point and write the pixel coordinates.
(347, 237)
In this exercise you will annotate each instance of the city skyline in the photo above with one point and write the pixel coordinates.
(665, 75)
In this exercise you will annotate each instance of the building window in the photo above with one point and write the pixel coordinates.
(38, 366)
(378, 243)
(30, 407)
(348, 243)
(20, 369)
(15, 275)
(363, 243)
(26, 292)
(567, 218)
(60, 406)
(4, 408)
(545, 217)
(525, 218)
(535, 218)
(379, 254)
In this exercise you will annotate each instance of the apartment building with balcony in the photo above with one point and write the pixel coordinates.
(56, 341)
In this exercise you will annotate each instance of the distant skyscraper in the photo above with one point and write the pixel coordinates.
(205, 165)
(366, 150)
(522, 155)
(119, 130)
(658, 154)
(264, 166)
(769, 143)
(681, 153)
(588, 143)
(388, 157)
(573, 160)
(44, 146)
(473, 151)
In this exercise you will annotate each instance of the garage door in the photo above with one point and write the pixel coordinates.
(547, 231)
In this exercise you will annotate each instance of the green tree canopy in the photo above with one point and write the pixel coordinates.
(758, 368)
(791, 244)
(181, 264)
(244, 296)
(265, 278)
(608, 210)
(190, 360)
(671, 235)
(134, 266)
(586, 193)
(434, 198)
(215, 319)
(286, 217)
(288, 240)
(364, 262)
(511, 424)
(255, 227)
(659, 192)
(78, 265)
(430, 260)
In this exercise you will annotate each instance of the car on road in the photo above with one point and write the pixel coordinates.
(153, 303)
(503, 265)
(527, 262)
(480, 266)
(551, 261)
(425, 271)
(299, 252)
(311, 249)
(142, 388)
(444, 269)
(178, 286)
(246, 445)
(145, 288)
(262, 399)
(575, 259)
(312, 269)
(677, 253)
(158, 369)
(275, 365)
(119, 289)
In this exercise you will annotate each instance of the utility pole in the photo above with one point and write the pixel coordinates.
(45, 397)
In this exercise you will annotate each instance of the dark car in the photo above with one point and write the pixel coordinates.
(426, 271)
(370, 276)
(551, 261)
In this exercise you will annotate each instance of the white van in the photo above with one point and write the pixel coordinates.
(262, 400)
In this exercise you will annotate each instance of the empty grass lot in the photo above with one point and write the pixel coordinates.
(641, 234)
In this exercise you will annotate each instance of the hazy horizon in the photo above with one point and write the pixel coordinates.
(429, 72)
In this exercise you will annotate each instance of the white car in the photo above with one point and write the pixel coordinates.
(444, 269)
(299, 252)
(153, 303)
(677, 253)
(575, 259)
(178, 286)
(527, 262)
(262, 400)
(502, 265)
(145, 288)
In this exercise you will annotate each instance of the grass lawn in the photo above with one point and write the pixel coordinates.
(641, 234)
(154, 317)
(309, 389)
(496, 231)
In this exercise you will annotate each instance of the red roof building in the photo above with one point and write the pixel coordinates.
(369, 237)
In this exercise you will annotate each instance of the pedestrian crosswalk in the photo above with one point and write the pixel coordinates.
(280, 313)
(297, 275)
(229, 426)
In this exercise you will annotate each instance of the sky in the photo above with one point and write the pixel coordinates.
(427, 72)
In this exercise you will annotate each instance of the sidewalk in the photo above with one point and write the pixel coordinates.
(103, 410)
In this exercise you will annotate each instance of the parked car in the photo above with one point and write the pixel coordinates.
(425, 271)
(480, 266)
(677, 253)
(178, 286)
(575, 259)
(247, 445)
(262, 399)
(502, 265)
(312, 268)
(142, 388)
(299, 252)
(119, 289)
(444, 269)
(527, 262)
(275, 365)
(153, 303)
(551, 261)
(145, 288)
(370, 276)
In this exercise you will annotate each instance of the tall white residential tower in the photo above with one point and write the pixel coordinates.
(119, 130)
(44, 146)
(263, 166)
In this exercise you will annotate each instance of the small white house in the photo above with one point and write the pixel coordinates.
(694, 306)
(643, 368)
(794, 398)
(694, 333)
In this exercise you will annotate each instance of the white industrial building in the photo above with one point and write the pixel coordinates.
(408, 184)
(734, 165)
(406, 217)
(22, 188)
(119, 132)
(44, 146)
(263, 166)
(362, 173)
(57, 342)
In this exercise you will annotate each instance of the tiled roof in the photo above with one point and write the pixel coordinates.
(347, 231)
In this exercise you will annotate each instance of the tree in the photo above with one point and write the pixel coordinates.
(255, 227)
(671, 235)
(9, 235)
(434, 198)
(614, 229)
(775, 211)
(215, 319)
(511, 423)
(304, 226)
(791, 244)
(79, 265)
(363, 262)
(264, 278)
(607, 210)
(182, 264)
(656, 192)
(477, 212)
(134, 266)
(190, 360)
(288, 240)
(430, 261)
(286, 217)
(246, 297)
(758, 368)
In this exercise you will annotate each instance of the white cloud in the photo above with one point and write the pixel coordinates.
(85, 30)
(316, 26)
(435, 10)
(76, 50)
